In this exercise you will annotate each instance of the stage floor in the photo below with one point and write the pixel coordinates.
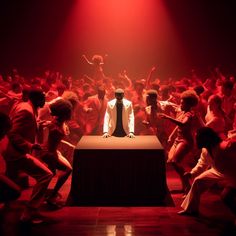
(214, 220)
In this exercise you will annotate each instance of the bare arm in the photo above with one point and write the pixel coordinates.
(201, 121)
(175, 121)
(172, 133)
(149, 77)
(87, 60)
(127, 79)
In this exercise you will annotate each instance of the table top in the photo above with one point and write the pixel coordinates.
(147, 142)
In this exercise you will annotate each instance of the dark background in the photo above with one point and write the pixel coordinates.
(29, 31)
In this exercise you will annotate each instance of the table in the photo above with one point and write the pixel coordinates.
(119, 171)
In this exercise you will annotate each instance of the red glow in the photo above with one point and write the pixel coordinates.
(136, 33)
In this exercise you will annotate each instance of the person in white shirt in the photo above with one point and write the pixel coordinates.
(119, 117)
(221, 153)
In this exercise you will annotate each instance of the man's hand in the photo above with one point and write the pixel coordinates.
(106, 135)
(131, 135)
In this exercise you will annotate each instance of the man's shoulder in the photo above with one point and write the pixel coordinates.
(126, 101)
(21, 108)
(111, 102)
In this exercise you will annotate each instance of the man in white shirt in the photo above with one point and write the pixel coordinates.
(119, 117)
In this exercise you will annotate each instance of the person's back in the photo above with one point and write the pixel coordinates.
(225, 158)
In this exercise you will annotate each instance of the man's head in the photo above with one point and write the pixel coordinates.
(16, 87)
(37, 97)
(62, 109)
(101, 92)
(71, 97)
(227, 88)
(151, 98)
(119, 94)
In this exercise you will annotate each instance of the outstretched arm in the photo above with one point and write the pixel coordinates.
(149, 77)
(87, 60)
(175, 121)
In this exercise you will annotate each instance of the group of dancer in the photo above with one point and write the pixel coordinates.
(50, 113)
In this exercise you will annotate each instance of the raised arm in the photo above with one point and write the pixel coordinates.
(87, 60)
(149, 77)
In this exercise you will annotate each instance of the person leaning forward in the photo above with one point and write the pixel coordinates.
(119, 117)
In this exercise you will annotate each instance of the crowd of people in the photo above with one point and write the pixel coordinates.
(49, 113)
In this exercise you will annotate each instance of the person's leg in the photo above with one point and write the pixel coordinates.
(37, 170)
(65, 170)
(16, 175)
(228, 196)
(179, 152)
(8, 189)
(200, 184)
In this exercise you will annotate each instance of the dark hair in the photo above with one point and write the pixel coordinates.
(15, 85)
(37, 97)
(207, 137)
(5, 124)
(71, 97)
(152, 93)
(190, 97)
(61, 108)
(218, 101)
(228, 85)
(199, 89)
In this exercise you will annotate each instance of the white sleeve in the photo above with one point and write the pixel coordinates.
(106, 120)
(131, 119)
(204, 162)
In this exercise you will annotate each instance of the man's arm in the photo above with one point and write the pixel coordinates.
(20, 125)
(131, 121)
(204, 162)
(106, 123)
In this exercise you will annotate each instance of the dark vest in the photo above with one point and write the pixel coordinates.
(119, 130)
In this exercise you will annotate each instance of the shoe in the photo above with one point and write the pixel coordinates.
(188, 213)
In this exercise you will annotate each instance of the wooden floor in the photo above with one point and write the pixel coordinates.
(215, 218)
